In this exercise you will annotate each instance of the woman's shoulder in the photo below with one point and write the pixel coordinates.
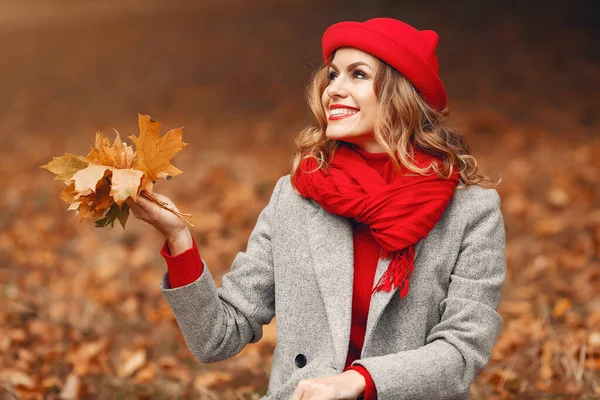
(285, 180)
(285, 194)
(288, 207)
(284, 188)
(473, 202)
(475, 196)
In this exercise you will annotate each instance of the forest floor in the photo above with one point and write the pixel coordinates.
(81, 314)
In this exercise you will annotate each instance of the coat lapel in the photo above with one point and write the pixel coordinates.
(331, 245)
(332, 249)
(380, 299)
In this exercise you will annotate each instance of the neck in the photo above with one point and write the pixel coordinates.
(377, 161)
(371, 147)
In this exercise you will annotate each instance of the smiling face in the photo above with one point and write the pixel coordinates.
(350, 101)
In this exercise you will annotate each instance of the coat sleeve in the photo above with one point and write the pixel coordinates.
(459, 346)
(218, 323)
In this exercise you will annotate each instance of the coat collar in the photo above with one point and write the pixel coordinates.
(332, 248)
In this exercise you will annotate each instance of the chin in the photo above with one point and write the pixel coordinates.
(336, 135)
(339, 136)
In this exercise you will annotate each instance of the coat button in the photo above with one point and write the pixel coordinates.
(300, 360)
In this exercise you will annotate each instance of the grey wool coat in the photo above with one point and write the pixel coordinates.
(298, 266)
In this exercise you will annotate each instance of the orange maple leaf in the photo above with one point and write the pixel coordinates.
(154, 153)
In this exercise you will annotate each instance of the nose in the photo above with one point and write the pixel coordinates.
(337, 88)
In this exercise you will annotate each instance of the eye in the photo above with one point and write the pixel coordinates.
(331, 75)
(360, 74)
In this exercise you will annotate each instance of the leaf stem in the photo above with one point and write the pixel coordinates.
(163, 205)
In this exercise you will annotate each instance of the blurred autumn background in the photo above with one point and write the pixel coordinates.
(81, 315)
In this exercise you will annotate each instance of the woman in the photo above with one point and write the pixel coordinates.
(382, 256)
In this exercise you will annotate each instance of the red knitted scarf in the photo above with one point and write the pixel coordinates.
(400, 209)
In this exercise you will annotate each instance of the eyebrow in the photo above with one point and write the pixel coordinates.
(353, 65)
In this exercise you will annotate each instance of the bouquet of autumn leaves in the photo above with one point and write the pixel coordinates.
(99, 183)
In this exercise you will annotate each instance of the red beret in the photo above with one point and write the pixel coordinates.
(410, 51)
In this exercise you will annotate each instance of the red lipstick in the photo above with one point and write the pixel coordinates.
(338, 106)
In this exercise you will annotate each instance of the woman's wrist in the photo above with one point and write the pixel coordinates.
(179, 242)
(358, 381)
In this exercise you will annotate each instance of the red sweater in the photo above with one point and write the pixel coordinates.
(186, 267)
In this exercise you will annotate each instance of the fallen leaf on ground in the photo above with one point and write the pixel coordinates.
(208, 379)
(17, 378)
(71, 389)
(132, 362)
(561, 307)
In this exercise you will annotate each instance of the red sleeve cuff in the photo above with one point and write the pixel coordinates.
(183, 268)
(370, 391)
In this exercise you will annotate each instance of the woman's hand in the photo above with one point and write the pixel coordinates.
(170, 225)
(347, 385)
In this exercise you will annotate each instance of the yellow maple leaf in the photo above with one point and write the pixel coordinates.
(66, 166)
(118, 155)
(154, 154)
(87, 179)
(125, 183)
